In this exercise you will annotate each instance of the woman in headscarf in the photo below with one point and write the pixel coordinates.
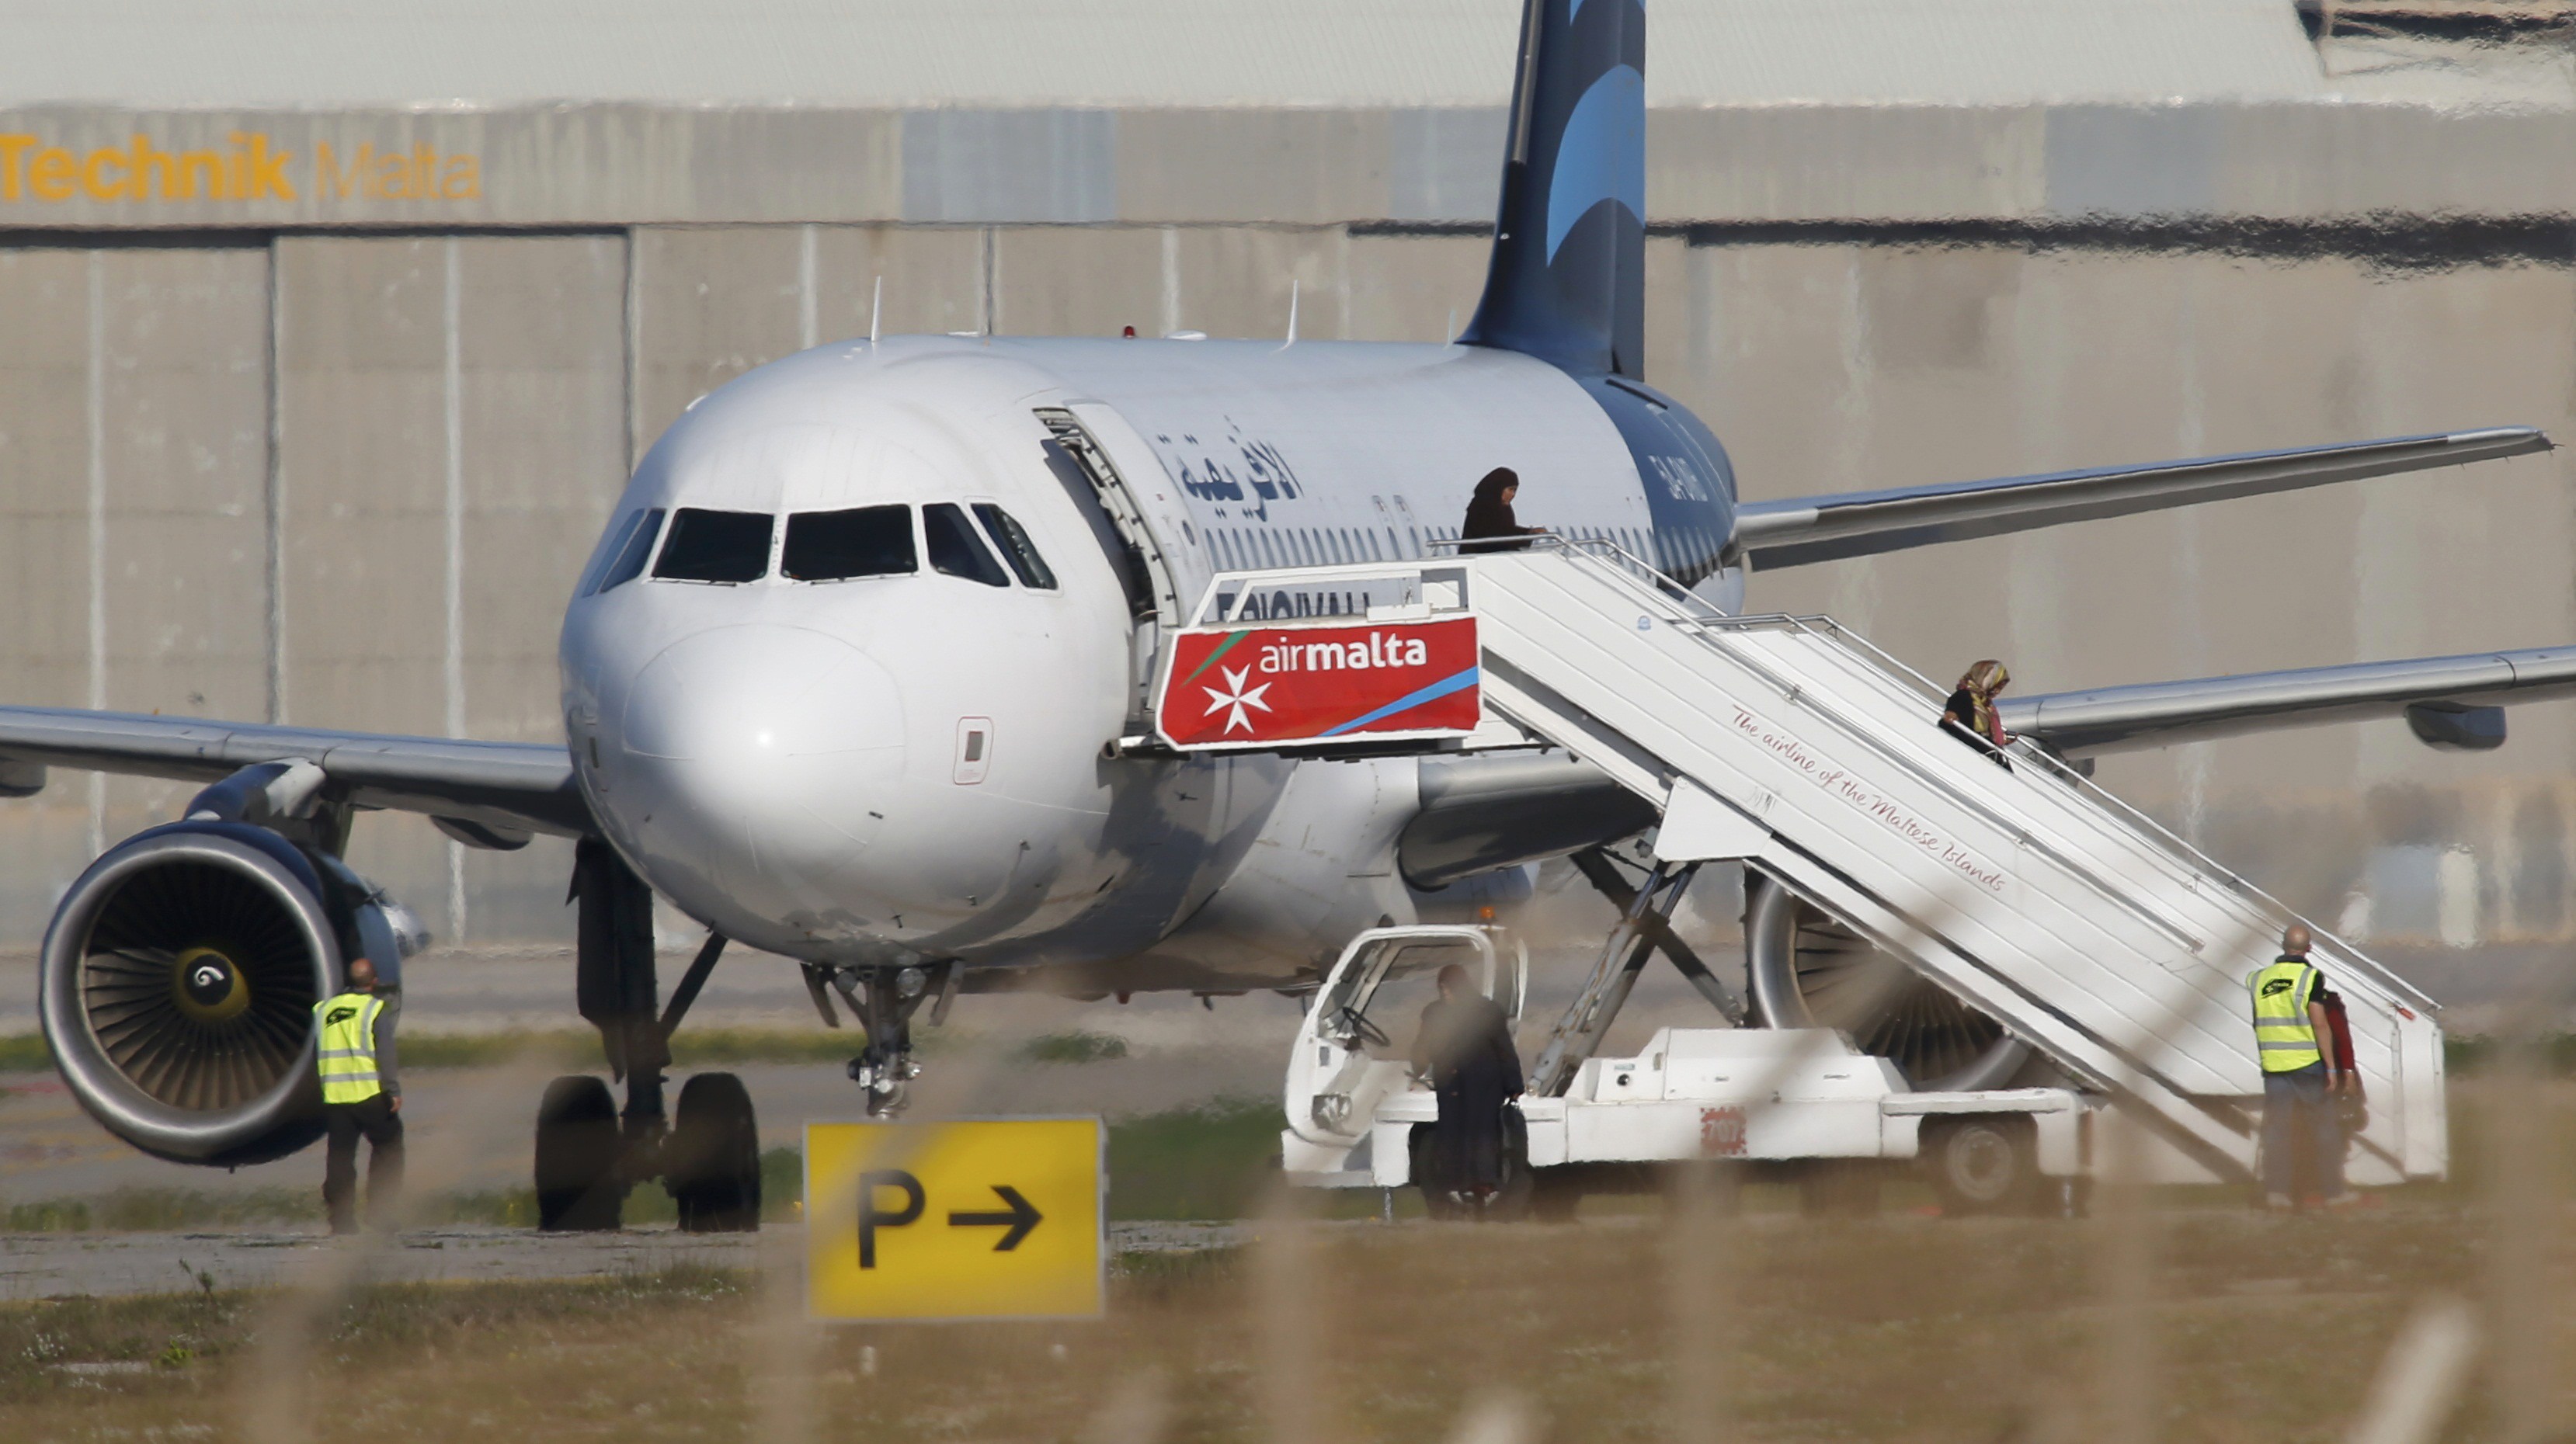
(1491, 527)
(1464, 1047)
(1970, 712)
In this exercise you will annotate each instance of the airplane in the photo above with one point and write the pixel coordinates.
(847, 675)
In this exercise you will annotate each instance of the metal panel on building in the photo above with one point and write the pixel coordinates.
(1867, 268)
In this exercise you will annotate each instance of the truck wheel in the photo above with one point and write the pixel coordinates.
(712, 1162)
(578, 1190)
(1982, 1165)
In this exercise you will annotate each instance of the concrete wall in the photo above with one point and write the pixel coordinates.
(1838, 366)
(627, 164)
(452, 415)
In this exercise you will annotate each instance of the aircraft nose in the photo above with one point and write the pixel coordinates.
(760, 761)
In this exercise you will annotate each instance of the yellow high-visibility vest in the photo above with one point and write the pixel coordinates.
(2282, 1033)
(348, 1048)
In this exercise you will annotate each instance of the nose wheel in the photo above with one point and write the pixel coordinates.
(885, 1074)
(884, 1000)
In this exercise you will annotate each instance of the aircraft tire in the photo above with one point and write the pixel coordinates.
(712, 1162)
(578, 1188)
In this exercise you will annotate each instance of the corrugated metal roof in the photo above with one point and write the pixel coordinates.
(1127, 53)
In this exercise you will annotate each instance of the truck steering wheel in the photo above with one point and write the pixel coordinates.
(1354, 1023)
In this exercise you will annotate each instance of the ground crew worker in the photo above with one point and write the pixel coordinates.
(2291, 1034)
(360, 1096)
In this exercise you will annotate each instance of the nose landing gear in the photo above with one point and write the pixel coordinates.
(884, 1000)
(886, 1074)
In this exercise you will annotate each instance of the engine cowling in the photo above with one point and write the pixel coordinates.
(178, 980)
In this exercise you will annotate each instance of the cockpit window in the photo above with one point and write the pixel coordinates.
(716, 546)
(625, 555)
(832, 546)
(1017, 549)
(954, 547)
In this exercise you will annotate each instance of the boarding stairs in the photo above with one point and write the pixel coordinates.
(2079, 924)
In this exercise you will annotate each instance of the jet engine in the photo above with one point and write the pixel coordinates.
(178, 981)
(1809, 971)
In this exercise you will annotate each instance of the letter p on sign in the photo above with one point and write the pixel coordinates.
(996, 1218)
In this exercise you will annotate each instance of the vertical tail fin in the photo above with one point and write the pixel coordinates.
(1567, 282)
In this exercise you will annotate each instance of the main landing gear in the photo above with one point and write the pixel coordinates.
(589, 1154)
(708, 1157)
(883, 1001)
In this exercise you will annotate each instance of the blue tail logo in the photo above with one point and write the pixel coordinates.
(1567, 279)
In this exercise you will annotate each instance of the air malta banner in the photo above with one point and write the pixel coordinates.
(1268, 686)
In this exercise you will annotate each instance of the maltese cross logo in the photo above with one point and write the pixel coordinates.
(1235, 699)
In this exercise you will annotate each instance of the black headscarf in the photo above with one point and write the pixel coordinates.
(1489, 516)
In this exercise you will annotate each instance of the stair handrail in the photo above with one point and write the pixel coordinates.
(1626, 567)
(1696, 614)
(1967, 801)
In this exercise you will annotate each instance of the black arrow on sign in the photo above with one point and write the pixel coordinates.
(1019, 1220)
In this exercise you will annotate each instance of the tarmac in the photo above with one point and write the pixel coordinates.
(471, 1128)
(94, 1265)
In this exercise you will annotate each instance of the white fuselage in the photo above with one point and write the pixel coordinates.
(897, 767)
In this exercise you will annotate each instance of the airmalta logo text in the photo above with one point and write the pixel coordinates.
(250, 168)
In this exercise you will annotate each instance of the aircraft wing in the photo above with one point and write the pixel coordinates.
(2448, 701)
(1858, 523)
(515, 786)
(1480, 813)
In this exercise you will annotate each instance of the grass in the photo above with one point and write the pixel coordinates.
(2471, 1056)
(1198, 1163)
(163, 1210)
(693, 1048)
(1193, 1163)
(1074, 1048)
(1897, 1329)
(131, 1210)
(579, 1047)
(704, 1047)
(184, 1337)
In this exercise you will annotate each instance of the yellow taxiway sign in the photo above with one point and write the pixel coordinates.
(976, 1219)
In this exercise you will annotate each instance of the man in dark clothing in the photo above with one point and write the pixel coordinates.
(1491, 527)
(1465, 1048)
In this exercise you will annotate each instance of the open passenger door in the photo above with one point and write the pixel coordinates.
(1146, 529)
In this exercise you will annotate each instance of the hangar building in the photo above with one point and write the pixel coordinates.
(332, 332)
